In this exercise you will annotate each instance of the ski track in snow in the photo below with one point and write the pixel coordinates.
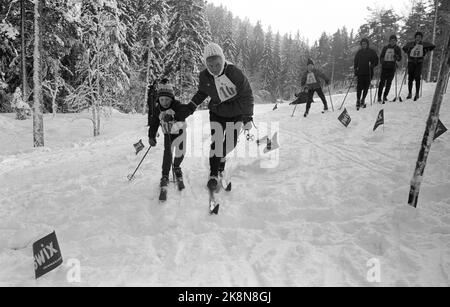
(337, 199)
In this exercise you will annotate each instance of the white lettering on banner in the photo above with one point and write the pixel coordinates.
(390, 55)
(45, 254)
(374, 273)
(417, 51)
(225, 88)
(311, 79)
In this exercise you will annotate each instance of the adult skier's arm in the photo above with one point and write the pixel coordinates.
(382, 55)
(428, 46)
(198, 98)
(245, 93)
(374, 61)
(154, 124)
(355, 63)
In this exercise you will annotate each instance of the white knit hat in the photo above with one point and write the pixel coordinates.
(212, 49)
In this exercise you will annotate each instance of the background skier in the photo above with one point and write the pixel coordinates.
(389, 58)
(311, 83)
(366, 59)
(416, 51)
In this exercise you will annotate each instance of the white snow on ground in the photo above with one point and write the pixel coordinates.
(337, 199)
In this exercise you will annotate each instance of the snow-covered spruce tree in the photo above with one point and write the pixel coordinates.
(151, 30)
(188, 34)
(267, 64)
(104, 66)
(229, 43)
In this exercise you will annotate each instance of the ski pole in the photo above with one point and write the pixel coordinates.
(331, 100)
(422, 82)
(370, 86)
(295, 108)
(377, 89)
(131, 177)
(345, 98)
(396, 88)
(401, 87)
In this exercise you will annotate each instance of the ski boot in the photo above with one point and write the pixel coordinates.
(163, 185)
(213, 184)
(363, 104)
(179, 178)
(409, 96)
(164, 181)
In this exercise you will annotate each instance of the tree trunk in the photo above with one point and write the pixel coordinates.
(430, 130)
(38, 121)
(54, 106)
(149, 66)
(430, 68)
(24, 53)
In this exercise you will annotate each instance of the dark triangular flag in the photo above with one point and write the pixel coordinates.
(272, 144)
(380, 120)
(345, 118)
(440, 130)
(47, 255)
(139, 147)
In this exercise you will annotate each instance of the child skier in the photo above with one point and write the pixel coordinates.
(311, 82)
(171, 115)
(416, 52)
(389, 57)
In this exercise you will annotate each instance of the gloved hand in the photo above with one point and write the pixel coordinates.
(247, 120)
(168, 118)
(297, 94)
(152, 142)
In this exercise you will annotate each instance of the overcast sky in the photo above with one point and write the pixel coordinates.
(311, 17)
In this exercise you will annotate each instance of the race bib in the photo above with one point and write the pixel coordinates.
(390, 55)
(417, 51)
(166, 127)
(311, 79)
(225, 88)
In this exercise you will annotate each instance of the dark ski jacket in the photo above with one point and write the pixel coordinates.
(240, 105)
(177, 109)
(427, 47)
(365, 61)
(317, 75)
(390, 65)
